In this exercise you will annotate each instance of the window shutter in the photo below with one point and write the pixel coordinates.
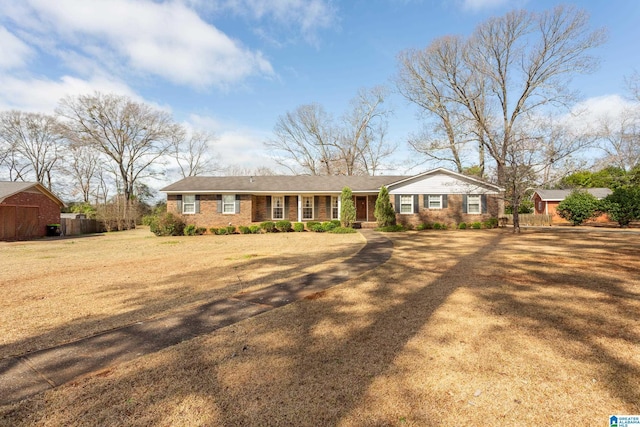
(237, 203)
(179, 202)
(219, 202)
(327, 199)
(316, 204)
(483, 202)
(268, 206)
(287, 201)
(464, 203)
(425, 201)
(397, 203)
(444, 201)
(197, 203)
(416, 205)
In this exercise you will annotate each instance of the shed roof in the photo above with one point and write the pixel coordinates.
(560, 195)
(9, 188)
(279, 184)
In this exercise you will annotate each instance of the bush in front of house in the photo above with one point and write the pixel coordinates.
(255, 229)
(167, 224)
(491, 223)
(284, 226)
(342, 230)
(298, 227)
(348, 211)
(190, 230)
(392, 228)
(311, 225)
(231, 229)
(578, 207)
(462, 226)
(476, 225)
(243, 229)
(439, 226)
(384, 212)
(268, 226)
(623, 205)
(424, 226)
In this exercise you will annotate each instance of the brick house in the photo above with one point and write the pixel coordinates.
(439, 195)
(26, 208)
(545, 202)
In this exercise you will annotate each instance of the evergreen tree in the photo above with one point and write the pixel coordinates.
(384, 212)
(348, 210)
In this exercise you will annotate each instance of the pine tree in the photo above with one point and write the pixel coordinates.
(384, 212)
(348, 209)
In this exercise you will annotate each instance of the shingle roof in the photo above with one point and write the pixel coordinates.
(559, 195)
(284, 184)
(9, 188)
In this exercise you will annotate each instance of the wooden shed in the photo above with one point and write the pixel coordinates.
(26, 209)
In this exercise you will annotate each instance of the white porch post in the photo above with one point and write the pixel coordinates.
(339, 206)
(299, 208)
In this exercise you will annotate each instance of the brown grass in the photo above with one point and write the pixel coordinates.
(458, 328)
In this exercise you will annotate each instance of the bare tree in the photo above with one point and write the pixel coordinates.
(134, 136)
(308, 140)
(35, 138)
(620, 139)
(83, 165)
(512, 68)
(193, 153)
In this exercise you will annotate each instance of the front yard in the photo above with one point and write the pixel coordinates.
(473, 327)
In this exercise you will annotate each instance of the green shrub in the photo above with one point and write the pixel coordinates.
(462, 226)
(476, 225)
(190, 230)
(268, 226)
(298, 227)
(284, 226)
(255, 229)
(243, 229)
(329, 225)
(348, 209)
(213, 230)
(391, 228)
(384, 212)
(317, 227)
(231, 229)
(491, 223)
(342, 230)
(311, 225)
(221, 231)
(149, 219)
(336, 222)
(424, 226)
(623, 205)
(438, 226)
(201, 230)
(168, 224)
(578, 207)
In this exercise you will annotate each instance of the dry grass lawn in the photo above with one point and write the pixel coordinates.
(475, 327)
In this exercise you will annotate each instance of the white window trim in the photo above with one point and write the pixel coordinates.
(337, 207)
(274, 207)
(185, 204)
(434, 196)
(469, 204)
(225, 204)
(312, 208)
(410, 196)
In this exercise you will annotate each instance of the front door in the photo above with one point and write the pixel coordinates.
(361, 208)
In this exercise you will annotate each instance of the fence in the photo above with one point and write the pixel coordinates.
(530, 219)
(75, 226)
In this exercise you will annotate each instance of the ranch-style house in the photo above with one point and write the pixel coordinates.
(439, 195)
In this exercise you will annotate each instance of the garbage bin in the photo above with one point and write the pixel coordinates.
(53, 230)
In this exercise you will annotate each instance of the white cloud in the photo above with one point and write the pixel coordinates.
(14, 53)
(589, 113)
(165, 39)
(476, 5)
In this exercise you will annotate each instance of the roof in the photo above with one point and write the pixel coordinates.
(280, 184)
(462, 177)
(9, 188)
(559, 195)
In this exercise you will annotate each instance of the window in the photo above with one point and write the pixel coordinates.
(307, 207)
(277, 207)
(473, 204)
(435, 202)
(189, 204)
(406, 204)
(335, 208)
(228, 204)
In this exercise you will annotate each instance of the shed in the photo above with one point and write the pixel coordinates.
(546, 202)
(26, 208)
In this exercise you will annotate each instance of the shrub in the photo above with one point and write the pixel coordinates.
(491, 223)
(623, 205)
(462, 226)
(384, 212)
(329, 225)
(190, 230)
(268, 226)
(283, 225)
(336, 222)
(254, 229)
(348, 209)
(342, 230)
(298, 227)
(149, 219)
(476, 225)
(424, 226)
(316, 226)
(438, 226)
(311, 225)
(201, 230)
(231, 229)
(243, 229)
(168, 224)
(213, 230)
(578, 207)
(391, 228)
(221, 231)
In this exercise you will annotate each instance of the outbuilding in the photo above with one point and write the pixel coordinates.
(27, 210)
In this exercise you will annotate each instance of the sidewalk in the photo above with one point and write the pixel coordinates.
(32, 373)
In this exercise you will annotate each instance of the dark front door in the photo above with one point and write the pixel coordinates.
(361, 208)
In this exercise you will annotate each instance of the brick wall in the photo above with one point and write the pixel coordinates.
(209, 215)
(48, 210)
(453, 214)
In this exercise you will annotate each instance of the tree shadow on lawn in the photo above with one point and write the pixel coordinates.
(313, 362)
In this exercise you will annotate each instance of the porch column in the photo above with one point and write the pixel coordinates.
(339, 206)
(299, 208)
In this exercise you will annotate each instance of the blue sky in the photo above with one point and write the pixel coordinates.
(233, 66)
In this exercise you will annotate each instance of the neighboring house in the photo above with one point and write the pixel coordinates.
(439, 195)
(545, 202)
(26, 208)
